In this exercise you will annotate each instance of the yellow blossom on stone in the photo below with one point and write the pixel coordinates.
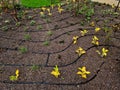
(82, 71)
(97, 29)
(60, 10)
(83, 32)
(92, 24)
(75, 38)
(43, 8)
(113, 5)
(95, 40)
(48, 9)
(50, 14)
(55, 72)
(103, 53)
(17, 73)
(74, 0)
(41, 13)
(80, 51)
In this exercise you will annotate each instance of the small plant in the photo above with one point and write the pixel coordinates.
(35, 67)
(20, 14)
(46, 43)
(14, 77)
(7, 21)
(82, 23)
(5, 28)
(22, 49)
(30, 17)
(39, 27)
(49, 33)
(32, 22)
(48, 20)
(18, 24)
(26, 28)
(27, 37)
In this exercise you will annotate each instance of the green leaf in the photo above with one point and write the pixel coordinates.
(13, 78)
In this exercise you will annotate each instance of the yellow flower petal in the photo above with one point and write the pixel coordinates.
(80, 73)
(95, 40)
(84, 76)
(97, 29)
(43, 8)
(92, 24)
(75, 39)
(17, 73)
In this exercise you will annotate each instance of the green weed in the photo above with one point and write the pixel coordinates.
(23, 49)
(27, 37)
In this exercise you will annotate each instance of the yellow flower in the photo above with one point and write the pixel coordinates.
(43, 8)
(50, 14)
(14, 78)
(48, 9)
(95, 40)
(74, 0)
(17, 73)
(97, 29)
(60, 9)
(113, 5)
(75, 38)
(42, 14)
(103, 53)
(80, 51)
(92, 24)
(55, 72)
(83, 72)
(83, 32)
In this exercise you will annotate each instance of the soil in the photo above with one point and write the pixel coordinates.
(60, 50)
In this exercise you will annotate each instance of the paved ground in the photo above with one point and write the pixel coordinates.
(59, 50)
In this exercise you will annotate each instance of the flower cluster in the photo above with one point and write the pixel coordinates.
(44, 9)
